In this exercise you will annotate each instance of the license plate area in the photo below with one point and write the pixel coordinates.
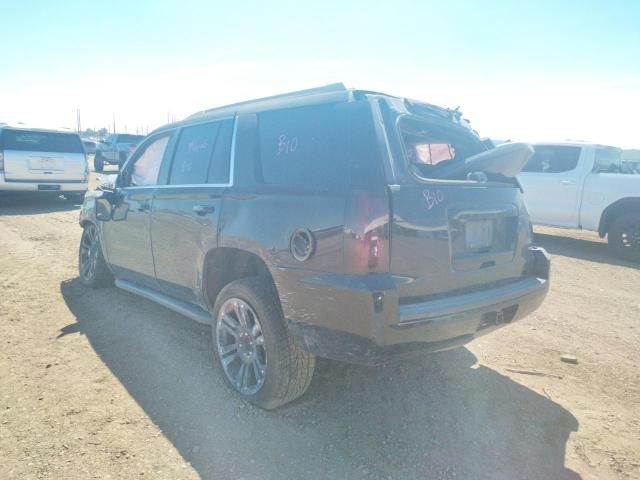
(482, 238)
(49, 187)
(478, 235)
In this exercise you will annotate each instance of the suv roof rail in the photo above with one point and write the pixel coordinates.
(331, 88)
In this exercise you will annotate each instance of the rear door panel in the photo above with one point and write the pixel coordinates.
(184, 227)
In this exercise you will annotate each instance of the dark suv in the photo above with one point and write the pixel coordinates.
(330, 222)
(115, 150)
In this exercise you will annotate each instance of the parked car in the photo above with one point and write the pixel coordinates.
(115, 149)
(329, 222)
(42, 160)
(585, 186)
(89, 146)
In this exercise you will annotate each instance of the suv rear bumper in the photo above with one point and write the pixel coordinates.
(431, 326)
(44, 186)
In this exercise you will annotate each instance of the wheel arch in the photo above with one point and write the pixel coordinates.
(617, 208)
(223, 265)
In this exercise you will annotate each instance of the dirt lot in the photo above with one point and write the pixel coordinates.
(102, 384)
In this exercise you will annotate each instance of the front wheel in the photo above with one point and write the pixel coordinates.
(255, 353)
(93, 268)
(624, 237)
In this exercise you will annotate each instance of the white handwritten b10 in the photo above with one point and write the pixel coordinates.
(287, 145)
(433, 198)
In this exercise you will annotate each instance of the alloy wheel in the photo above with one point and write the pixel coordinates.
(240, 346)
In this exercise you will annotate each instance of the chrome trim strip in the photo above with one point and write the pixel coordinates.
(233, 151)
(232, 163)
(183, 308)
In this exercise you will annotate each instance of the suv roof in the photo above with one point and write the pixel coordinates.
(332, 93)
(34, 129)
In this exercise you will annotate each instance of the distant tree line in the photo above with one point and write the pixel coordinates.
(91, 133)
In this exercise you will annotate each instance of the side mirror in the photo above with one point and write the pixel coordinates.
(104, 209)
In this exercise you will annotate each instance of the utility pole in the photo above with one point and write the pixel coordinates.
(78, 120)
(114, 123)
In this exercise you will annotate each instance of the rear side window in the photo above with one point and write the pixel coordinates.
(553, 159)
(608, 159)
(306, 146)
(202, 154)
(33, 141)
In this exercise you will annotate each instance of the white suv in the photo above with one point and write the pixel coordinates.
(41, 160)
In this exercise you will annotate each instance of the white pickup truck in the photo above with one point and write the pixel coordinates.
(585, 186)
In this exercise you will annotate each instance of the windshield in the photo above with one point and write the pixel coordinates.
(34, 141)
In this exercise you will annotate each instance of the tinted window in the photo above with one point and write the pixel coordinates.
(553, 159)
(130, 138)
(608, 160)
(220, 161)
(304, 147)
(194, 151)
(34, 141)
(147, 165)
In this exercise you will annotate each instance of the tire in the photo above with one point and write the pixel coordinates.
(624, 237)
(286, 369)
(93, 269)
(98, 163)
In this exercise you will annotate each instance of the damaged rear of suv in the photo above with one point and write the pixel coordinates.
(330, 222)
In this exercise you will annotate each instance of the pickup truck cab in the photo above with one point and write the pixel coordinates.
(584, 186)
(330, 222)
(115, 149)
(42, 161)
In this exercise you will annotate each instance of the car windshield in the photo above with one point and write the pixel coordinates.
(35, 141)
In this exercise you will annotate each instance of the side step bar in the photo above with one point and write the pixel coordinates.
(183, 308)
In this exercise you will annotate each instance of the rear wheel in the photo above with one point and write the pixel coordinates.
(255, 353)
(98, 162)
(624, 237)
(94, 271)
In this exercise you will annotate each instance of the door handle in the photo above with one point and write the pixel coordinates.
(203, 209)
(565, 182)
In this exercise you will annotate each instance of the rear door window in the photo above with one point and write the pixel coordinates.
(34, 141)
(202, 154)
(306, 146)
(553, 159)
(608, 160)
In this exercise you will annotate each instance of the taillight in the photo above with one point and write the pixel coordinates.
(1, 161)
(373, 243)
(367, 232)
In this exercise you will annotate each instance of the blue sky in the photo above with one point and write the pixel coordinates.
(518, 69)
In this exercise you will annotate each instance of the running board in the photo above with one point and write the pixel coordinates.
(183, 308)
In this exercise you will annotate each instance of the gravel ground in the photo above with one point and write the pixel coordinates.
(103, 384)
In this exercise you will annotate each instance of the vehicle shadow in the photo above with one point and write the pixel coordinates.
(434, 417)
(580, 248)
(30, 204)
